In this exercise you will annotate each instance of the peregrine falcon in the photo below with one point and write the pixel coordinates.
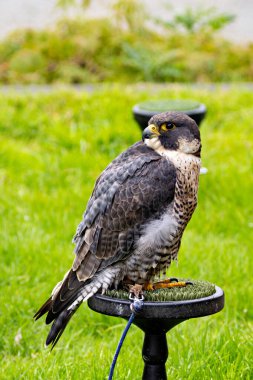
(134, 220)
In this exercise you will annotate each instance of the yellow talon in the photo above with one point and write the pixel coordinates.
(164, 285)
(167, 283)
(149, 286)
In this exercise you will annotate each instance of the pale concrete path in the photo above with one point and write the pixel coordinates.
(42, 13)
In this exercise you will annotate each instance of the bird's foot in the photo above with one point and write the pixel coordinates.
(167, 283)
(136, 291)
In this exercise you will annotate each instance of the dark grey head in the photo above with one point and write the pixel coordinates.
(173, 131)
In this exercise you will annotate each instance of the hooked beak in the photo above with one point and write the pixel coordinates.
(150, 132)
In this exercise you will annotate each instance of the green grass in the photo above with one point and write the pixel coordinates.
(53, 146)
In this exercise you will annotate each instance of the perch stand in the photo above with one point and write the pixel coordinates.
(158, 317)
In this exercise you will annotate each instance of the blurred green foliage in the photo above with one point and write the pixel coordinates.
(127, 46)
(199, 20)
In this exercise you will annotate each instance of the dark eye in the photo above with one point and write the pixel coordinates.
(168, 126)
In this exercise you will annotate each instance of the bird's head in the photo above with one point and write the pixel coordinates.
(173, 131)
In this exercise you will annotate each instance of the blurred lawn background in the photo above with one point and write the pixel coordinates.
(55, 143)
(53, 146)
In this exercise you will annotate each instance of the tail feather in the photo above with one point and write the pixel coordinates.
(57, 307)
(59, 326)
(45, 308)
(66, 295)
(63, 304)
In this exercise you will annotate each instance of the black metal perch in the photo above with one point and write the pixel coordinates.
(142, 112)
(155, 320)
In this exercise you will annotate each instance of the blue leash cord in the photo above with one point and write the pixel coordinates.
(135, 307)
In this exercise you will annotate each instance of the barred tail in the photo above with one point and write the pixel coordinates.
(67, 298)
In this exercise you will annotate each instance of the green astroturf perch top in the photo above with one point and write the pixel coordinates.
(198, 289)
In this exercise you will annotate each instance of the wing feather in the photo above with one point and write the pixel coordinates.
(133, 188)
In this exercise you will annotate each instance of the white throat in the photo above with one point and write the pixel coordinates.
(184, 151)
